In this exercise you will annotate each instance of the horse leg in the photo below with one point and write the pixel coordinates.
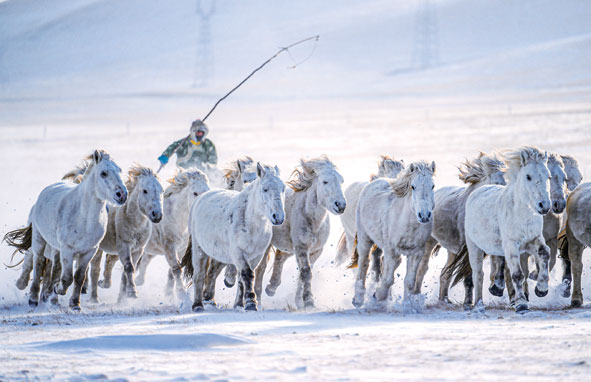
(575, 254)
(376, 263)
(247, 280)
(230, 276)
(174, 272)
(412, 264)
(512, 258)
(23, 280)
(424, 264)
(110, 261)
(46, 281)
(304, 292)
(55, 277)
(199, 261)
(38, 249)
(213, 271)
(475, 256)
(259, 274)
(363, 247)
(523, 261)
(445, 277)
(497, 276)
(541, 253)
(566, 271)
(510, 287)
(280, 258)
(95, 272)
(143, 266)
(79, 276)
(127, 274)
(391, 258)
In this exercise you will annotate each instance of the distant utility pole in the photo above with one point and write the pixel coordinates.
(204, 55)
(426, 42)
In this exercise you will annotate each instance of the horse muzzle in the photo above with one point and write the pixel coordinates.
(543, 207)
(277, 219)
(558, 206)
(155, 216)
(424, 217)
(339, 207)
(120, 197)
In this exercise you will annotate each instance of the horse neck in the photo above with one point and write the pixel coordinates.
(513, 191)
(132, 208)
(90, 205)
(312, 207)
(179, 207)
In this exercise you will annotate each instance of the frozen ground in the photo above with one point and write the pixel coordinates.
(124, 84)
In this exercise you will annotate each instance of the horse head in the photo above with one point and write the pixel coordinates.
(144, 182)
(557, 183)
(107, 178)
(420, 176)
(272, 191)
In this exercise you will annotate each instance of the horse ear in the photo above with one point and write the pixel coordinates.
(97, 156)
(277, 172)
(524, 157)
(260, 170)
(411, 167)
(433, 167)
(240, 165)
(545, 155)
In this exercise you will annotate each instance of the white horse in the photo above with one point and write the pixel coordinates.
(129, 228)
(578, 234)
(508, 220)
(234, 228)
(315, 190)
(395, 215)
(240, 173)
(71, 219)
(448, 219)
(387, 168)
(170, 237)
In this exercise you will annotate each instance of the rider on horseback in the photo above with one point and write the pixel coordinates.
(193, 151)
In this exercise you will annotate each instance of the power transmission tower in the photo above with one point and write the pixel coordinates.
(204, 56)
(426, 43)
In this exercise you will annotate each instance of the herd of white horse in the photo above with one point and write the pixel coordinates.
(517, 205)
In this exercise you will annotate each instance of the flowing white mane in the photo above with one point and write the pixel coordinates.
(303, 176)
(401, 185)
(518, 158)
(478, 169)
(181, 179)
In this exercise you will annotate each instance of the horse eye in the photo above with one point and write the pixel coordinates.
(104, 174)
(325, 182)
(528, 177)
(145, 191)
(413, 187)
(194, 193)
(265, 189)
(433, 186)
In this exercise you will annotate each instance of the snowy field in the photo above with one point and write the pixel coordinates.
(119, 76)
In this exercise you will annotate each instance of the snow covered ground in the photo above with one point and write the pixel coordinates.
(118, 75)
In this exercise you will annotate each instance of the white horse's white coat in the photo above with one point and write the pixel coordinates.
(506, 221)
(72, 220)
(395, 215)
(235, 228)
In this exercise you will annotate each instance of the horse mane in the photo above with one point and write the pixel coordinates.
(513, 159)
(386, 166)
(480, 168)
(555, 159)
(232, 173)
(401, 185)
(303, 175)
(181, 179)
(77, 174)
(569, 161)
(134, 173)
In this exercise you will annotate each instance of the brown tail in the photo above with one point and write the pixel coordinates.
(187, 262)
(460, 267)
(20, 238)
(563, 244)
(354, 256)
(435, 250)
(341, 250)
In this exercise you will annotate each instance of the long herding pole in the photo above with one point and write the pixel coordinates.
(243, 81)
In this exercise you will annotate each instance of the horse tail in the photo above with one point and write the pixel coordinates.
(20, 238)
(435, 250)
(460, 267)
(354, 256)
(187, 262)
(341, 250)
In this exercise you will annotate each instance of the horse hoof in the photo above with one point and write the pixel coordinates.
(250, 306)
(496, 291)
(21, 284)
(357, 303)
(131, 294)
(229, 283)
(76, 308)
(270, 292)
(104, 284)
(521, 308)
(309, 304)
(210, 302)
(197, 308)
(533, 275)
(540, 293)
(576, 303)
(33, 303)
(54, 300)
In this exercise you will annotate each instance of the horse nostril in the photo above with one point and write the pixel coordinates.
(420, 215)
(541, 205)
(274, 216)
(118, 194)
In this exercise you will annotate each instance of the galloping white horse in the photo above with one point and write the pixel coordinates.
(387, 168)
(448, 219)
(395, 215)
(171, 235)
(234, 228)
(129, 228)
(71, 219)
(314, 191)
(508, 220)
